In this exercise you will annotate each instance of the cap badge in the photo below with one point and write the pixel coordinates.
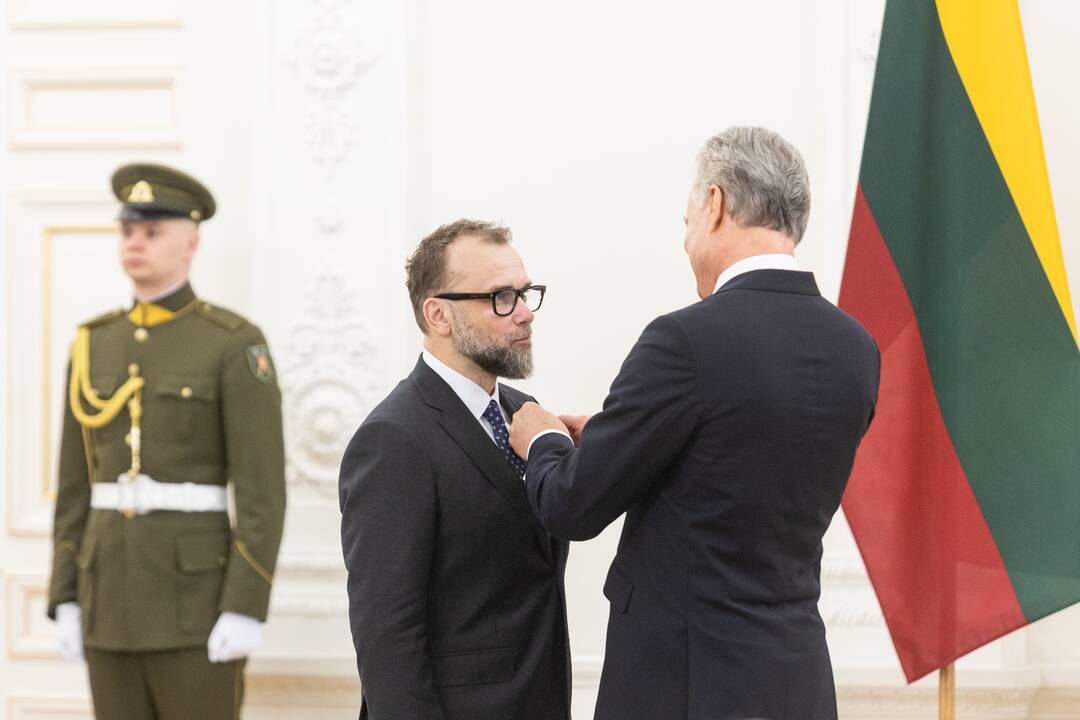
(141, 193)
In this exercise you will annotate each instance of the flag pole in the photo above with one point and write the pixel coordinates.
(947, 692)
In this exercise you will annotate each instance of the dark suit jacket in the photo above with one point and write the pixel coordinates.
(456, 595)
(728, 437)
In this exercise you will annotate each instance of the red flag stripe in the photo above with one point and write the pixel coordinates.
(944, 589)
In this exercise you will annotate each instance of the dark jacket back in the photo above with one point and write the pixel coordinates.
(456, 594)
(729, 436)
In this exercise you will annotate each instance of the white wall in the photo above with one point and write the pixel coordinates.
(576, 123)
(336, 133)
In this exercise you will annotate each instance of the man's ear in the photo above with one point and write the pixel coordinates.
(435, 317)
(717, 203)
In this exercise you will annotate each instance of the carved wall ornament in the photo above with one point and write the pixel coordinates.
(329, 58)
(329, 383)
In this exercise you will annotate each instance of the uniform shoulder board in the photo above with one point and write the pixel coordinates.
(105, 318)
(225, 318)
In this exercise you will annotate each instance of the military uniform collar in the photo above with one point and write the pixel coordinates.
(174, 301)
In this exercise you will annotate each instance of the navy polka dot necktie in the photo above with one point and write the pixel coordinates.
(502, 437)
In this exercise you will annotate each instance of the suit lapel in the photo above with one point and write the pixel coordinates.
(466, 431)
(512, 399)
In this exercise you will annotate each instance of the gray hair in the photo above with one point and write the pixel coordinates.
(762, 176)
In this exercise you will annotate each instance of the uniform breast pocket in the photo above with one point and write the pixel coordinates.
(105, 386)
(201, 559)
(189, 402)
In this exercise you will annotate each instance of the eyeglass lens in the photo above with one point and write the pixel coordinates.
(506, 300)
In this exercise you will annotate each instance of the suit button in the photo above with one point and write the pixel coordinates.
(185, 392)
(141, 334)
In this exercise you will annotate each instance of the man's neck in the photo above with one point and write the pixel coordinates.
(746, 243)
(462, 365)
(152, 292)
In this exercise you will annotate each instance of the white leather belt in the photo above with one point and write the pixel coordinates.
(144, 494)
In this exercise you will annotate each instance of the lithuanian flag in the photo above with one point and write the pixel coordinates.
(965, 496)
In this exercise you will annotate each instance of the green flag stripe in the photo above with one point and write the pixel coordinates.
(1004, 364)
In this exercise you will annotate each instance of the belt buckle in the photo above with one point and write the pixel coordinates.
(135, 496)
(145, 496)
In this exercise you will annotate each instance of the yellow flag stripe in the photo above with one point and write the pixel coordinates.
(986, 40)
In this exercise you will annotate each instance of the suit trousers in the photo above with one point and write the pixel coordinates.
(164, 685)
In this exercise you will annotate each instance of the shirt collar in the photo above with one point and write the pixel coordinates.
(769, 261)
(182, 292)
(475, 397)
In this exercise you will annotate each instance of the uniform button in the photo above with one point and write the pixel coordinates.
(221, 561)
(141, 334)
(185, 392)
(133, 369)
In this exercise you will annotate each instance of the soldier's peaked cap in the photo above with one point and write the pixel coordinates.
(149, 192)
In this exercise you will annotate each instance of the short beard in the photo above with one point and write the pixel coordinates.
(510, 361)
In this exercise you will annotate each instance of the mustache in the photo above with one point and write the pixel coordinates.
(524, 335)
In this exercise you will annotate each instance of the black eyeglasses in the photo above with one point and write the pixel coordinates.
(504, 300)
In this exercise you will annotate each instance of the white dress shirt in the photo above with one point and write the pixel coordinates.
(769, 261)
(475, 397)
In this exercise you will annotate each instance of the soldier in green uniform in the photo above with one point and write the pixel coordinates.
(166, 404)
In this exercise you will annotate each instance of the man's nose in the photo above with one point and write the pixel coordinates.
(522, 314)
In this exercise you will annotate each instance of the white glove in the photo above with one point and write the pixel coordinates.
(234, 636)
(69, 631)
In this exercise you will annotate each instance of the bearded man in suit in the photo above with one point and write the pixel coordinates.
(456, 596)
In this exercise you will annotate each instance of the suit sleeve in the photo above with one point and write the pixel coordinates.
(388, 525)
(648, 416)
(72, 508)
(254, 447)
(875, 383)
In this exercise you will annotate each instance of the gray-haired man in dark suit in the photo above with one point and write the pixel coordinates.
(727, 439)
